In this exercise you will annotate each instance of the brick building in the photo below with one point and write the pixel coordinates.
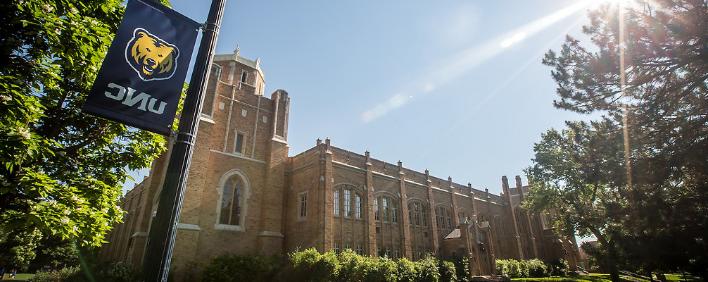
(245, 195)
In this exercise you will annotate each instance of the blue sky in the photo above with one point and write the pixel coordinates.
(456, 87)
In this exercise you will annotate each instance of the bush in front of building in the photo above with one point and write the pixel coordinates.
(447, 271)
(241, 268)
(310, 265)
(522, 268)
(105, 272)
(64, 274)
(558, 267)
(537, 268)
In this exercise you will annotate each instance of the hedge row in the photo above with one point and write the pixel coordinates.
(104, 272)
(310, 265)
(530, 268)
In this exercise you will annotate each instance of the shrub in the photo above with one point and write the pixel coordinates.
(240, 268)
(427, 270)
(381, 269)
(108, 272)
(521, 268)
(352, 266)
(407, 270)
(310, 265)
(502, 267)
(462, 268)
(536, 268)
(447, 271)
(64, 274)
(558, 267)
(514, 268)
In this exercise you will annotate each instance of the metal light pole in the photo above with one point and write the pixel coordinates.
(161, 240)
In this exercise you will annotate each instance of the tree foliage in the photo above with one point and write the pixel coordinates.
(661, 221)
(61, 169)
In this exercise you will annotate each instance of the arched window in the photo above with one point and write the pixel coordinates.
(347, 202)
(462, 216)
(233, 194)
(336, 202)
(388, 211)
(443, 218)
(417, 214)
(357, 206)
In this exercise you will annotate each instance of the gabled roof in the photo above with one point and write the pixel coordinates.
(454, 234)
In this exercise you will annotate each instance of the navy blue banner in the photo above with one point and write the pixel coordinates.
(141, 78)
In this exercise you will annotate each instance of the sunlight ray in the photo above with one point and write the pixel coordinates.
(466, 60)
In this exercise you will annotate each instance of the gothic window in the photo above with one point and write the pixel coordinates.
(462, 216)
(414, 211)
(443, 218)
(232, 201)
(359, 249)
(417, 213)
(303, 205)
(347, 202)
(357, 206)
(244, 76)
(238, 143)
(394, 213)
(336, 202)
(385, 207)
(377, 215)
(388, 211)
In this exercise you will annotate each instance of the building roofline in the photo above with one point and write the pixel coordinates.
(480, 193)
(243, 60)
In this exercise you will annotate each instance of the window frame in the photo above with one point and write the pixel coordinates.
(243, 201)
(243, 142)
(302, 205)
(336, 205)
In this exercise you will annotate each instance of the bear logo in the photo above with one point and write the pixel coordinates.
(150, 56)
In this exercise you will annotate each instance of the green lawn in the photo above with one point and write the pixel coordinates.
(602, 277)
(593, 277)
(19, 277)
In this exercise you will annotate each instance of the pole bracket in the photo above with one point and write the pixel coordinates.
(186, 138)
(210, 27)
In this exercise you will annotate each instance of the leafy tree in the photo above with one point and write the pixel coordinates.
(61, 169)
(661, 221)
(18, 248)
(574, 175)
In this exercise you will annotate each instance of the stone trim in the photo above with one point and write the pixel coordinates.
(439, 189)
(225, 227)
(279, 140)
(203, 117)
(416, 183)
(139, 234)
(188, 226)
(271, 234)
(348, 166)
(237, 156)
(384, 175)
